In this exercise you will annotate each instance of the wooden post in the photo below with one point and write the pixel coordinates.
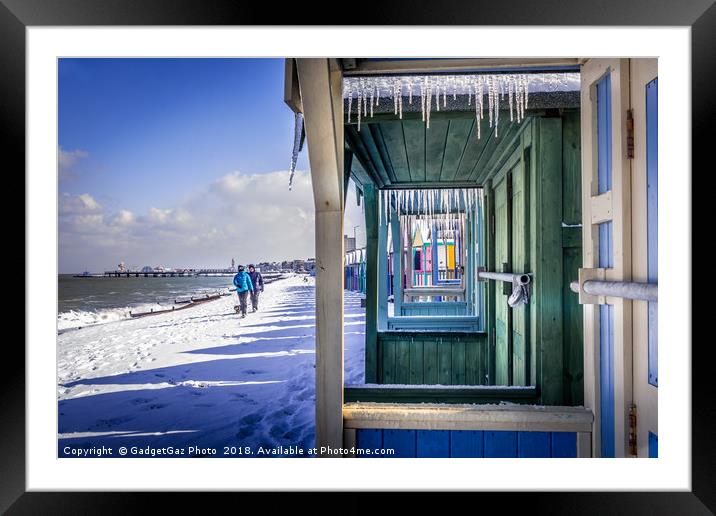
(397, 261)
(409, 254)
(320, 83)
(548, 268)
(382, 270)
(370, 198)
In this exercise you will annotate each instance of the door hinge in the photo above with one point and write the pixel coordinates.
(630, 133)
(632, 431)
(492, 224)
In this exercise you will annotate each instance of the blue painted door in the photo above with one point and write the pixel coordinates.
(606, 260)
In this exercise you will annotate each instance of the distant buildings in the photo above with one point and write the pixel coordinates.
(349, 243)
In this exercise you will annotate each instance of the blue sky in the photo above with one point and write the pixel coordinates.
(168, 125)
(178, 162)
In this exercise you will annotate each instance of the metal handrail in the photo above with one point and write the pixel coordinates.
(522, 279)
(623, 289)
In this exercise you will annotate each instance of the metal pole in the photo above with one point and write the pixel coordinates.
(522, 279)
(623, 289)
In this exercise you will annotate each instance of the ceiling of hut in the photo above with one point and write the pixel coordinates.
(414, 147)
(406, 153)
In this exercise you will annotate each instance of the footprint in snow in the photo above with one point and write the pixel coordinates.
(155, 406)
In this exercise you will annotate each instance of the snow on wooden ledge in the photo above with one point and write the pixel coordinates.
(439, 416)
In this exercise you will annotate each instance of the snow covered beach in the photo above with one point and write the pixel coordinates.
(201, 378)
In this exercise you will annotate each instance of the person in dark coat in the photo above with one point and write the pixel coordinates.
(242, 282)
(258, 282)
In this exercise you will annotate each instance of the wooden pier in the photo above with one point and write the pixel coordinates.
(178, 273)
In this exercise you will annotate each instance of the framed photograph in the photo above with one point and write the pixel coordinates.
(248, 251)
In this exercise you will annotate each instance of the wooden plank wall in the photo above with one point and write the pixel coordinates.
(467, 443)
(423, 358)
(545, 183)
(573, 355)
(435, 308)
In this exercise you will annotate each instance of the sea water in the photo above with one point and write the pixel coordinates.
(86, 301)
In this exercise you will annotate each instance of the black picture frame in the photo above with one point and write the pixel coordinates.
(17, 15)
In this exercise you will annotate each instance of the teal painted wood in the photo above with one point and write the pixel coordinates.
(397, 240)
(433, 443)
(402, 442)
(457, 138)
(471, 443)
(548, 288)
(395, 144)
(383, 277)
(430, 323)
(370, 198)
(534, 444)
(473, 150)
(417, 360)
(435, 148)
(446, 358)
(370, 147)
(434, 308)
(414, 131)
(402, 361)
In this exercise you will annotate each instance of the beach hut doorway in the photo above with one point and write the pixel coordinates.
(549, 212)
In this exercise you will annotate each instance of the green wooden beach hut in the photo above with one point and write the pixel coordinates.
(510, 260)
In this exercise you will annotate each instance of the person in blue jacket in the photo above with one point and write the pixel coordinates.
(242, 282)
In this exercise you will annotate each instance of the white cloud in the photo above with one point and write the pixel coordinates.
(249, 217)
(66, 161)
(78, 204)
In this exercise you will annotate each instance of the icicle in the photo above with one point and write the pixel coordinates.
(509, 95)
(372, 97)
(437, 96)
(298, 136)
(422, 97)
(360, 105)
(429, 103)
(350, 101)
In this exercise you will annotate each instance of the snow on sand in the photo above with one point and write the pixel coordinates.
(201, 377)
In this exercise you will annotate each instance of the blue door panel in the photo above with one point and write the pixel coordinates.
(467, 443)
(534, 444)
(653, 446)
(652, 203)
(433, 443)
(564, 444)
(500, 444)
(402, 441)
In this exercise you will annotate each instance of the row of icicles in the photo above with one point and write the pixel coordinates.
(434, 90)
(443, 206)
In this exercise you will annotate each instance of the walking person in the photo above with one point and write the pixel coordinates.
(258, 282)
(242, 282)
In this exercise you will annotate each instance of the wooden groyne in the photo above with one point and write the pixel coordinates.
(185, 304)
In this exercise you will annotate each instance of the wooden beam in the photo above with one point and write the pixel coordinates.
(321, 93)
(426, 416)
(382, 270)
(428, 66)
(548, 264)
(291, 91)
(397, 235)
(370, 198)
(414, 394)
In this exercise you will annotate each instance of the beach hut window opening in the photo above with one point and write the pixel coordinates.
(485, 92)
